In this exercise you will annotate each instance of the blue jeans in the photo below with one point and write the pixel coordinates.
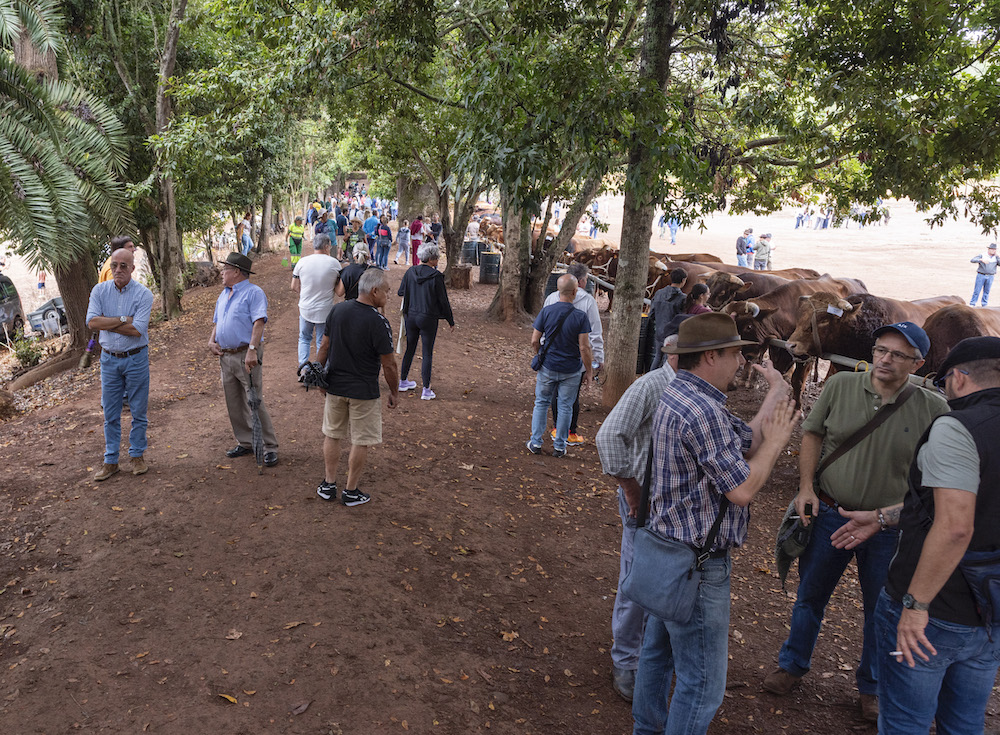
(696, 652)
(402, 249)
(952, 688)
(382, 256)
(983, 283)
(547, 384)
(120, 377)
(247, 244)
(627, 618)
(820, 568)
(741, 260)
(306, 330)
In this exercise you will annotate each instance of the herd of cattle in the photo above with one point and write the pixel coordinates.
(814, 313)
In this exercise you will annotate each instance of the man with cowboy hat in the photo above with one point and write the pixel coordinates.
(703, 456)
(240, 315)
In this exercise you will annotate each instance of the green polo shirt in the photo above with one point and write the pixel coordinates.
(874, 473)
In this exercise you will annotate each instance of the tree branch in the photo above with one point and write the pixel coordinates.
(422, 93)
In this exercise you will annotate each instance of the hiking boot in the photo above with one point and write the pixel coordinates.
(428, 395)
(780, 682)
(138, 465)
(327, 490)
(407, 385)
(575, 440)
(106, 471)
(623, 681)
(533, 448)
(350, 498)
(869, 707)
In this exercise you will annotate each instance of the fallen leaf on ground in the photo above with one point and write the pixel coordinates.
(298, 709)
(233, 635)
(228, 698)
(296, 624)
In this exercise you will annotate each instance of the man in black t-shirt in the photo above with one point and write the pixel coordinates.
(356, 346)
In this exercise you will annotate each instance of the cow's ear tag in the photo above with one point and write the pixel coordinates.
(835, 311)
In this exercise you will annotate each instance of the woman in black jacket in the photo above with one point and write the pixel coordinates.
(425, 301)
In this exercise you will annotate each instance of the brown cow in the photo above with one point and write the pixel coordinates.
(829, 323)
(948, 326)
(774, 316)
(694, 257)
(788, 273)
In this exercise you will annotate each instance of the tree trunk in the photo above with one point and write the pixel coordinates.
(454, 227)
(171, 254)
(170, 250)
(75, 280)
(264, 245)
(622, 337)
(508, 304)
(548, 255)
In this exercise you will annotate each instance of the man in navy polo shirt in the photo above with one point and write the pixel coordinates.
(567, 357)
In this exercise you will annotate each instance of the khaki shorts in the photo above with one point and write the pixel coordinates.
(364, 418)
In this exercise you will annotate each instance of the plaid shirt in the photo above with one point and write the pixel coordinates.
(623, 440)
(697, 456)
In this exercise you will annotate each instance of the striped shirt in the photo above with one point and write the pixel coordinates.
(698, 451)
(135, 300)
(623, 440)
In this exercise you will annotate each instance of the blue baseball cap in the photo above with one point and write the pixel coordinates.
(911, 333)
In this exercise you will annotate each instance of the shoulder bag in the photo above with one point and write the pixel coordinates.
(665, 573)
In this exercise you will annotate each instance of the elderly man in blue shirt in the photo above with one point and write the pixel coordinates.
(240, 315)
(119, 309)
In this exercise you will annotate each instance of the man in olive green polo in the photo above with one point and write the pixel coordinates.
(871, 476)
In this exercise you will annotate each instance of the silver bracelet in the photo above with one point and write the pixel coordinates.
(881, 519)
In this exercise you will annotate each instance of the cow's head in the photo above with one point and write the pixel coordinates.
(822, 317)
(723, 288)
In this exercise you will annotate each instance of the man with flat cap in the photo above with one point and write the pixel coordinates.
(938, 656)
(877, 417)
(237, 334)
(707, 466)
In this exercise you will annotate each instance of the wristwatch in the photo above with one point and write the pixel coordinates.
(910, 603)
(252, 347)
(123, 319)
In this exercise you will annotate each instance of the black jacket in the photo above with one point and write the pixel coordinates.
(423, 292)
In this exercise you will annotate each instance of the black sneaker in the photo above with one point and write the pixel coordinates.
(351, 498)
(533, 448)
(558, 452)
(327, 490)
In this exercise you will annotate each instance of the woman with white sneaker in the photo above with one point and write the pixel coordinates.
(425, 302)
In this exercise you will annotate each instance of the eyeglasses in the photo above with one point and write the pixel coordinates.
(119, 266)
(894, 355)
(942, 379)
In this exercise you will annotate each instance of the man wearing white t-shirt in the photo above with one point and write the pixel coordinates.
(314, 278)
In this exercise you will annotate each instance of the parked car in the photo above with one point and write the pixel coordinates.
(11, 314)
(51, 309)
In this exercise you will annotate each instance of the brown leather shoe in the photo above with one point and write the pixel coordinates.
(106, 471)
(780, 682)
(138, 465)
(869, 707)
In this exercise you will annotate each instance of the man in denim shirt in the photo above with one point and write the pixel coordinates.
(120, 310)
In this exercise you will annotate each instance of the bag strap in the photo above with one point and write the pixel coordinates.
(643, 510)
(552, 334)
(858, 436)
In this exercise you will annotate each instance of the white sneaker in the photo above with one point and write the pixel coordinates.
(427, 395)
(407, 385)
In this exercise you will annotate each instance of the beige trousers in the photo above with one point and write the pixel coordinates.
(236, 383)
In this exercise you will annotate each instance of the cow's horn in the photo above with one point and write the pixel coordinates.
(754, 309)
(845, 305)
(661, 265)
(803, 297)
(738, 282)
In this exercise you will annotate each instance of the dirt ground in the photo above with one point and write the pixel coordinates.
(473, 594)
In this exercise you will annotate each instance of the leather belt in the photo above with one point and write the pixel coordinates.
(830, 501)
(234, 350)
(136, 351)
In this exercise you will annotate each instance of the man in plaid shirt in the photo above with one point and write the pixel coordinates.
(701, 452)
